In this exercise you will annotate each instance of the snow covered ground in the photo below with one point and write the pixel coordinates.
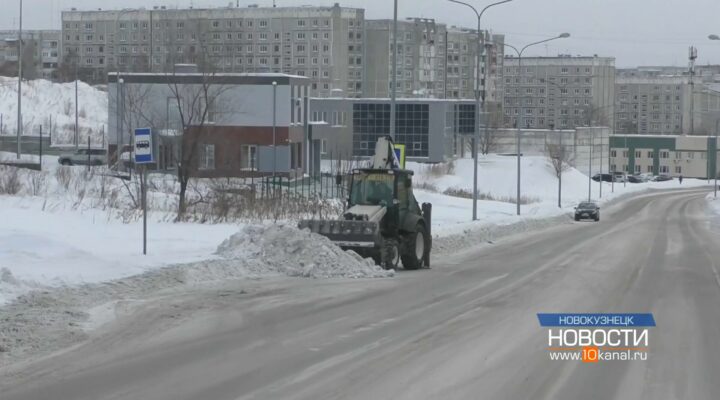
(52, 105)
(57, 247)
(57, 238)
(497, 179)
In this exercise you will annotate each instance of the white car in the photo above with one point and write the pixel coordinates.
(84, 157)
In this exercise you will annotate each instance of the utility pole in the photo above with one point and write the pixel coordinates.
(601, 144)
(692, 57)
(592, 142)
(77, 136)
(274, 85)
(152, 44)
(393, 94)
(20, 57)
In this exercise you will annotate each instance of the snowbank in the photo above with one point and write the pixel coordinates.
(53, 105)
(497, 180)
(290, 251)
(42, 246)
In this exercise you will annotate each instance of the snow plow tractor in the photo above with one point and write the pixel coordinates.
(383, 220)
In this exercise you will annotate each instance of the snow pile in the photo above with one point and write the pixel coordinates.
(295, 252)
(52, 105)
(11, 286)
(497, 177)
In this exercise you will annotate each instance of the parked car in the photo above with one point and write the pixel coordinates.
(587, 210)
(604, 177)
(662, 178)
(646, 177)
(619, 178)
(84, 157)
(635, 179)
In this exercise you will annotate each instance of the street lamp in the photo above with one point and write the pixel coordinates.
(517, 120)
(479, 100)
(19, 102)
(274, 85)
(715, 37)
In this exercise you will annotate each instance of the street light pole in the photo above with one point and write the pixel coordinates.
(479, 100)
(517, 120)
(592, 143)
(274, 130)
(393, 94)
(715, 150)
(19, 110)
(77, 137)
(715, 37)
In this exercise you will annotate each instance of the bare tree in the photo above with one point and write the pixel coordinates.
(196, 107)
(488, 136)
(560, 158)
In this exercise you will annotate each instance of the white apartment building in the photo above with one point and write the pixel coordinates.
(561, 92)
(324, 44)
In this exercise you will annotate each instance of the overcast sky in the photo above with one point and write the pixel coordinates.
(635, 32)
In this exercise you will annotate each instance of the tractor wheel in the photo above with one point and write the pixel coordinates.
(415, 248)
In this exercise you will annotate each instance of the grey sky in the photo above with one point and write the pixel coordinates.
(636, 32)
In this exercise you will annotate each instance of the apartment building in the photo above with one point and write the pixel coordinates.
(41, 49)
(652, 105)
(324, 44)
(560, 92)
(420, 58)
(433, 61)
(461, 60)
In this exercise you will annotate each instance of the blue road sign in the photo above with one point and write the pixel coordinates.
(143, 146)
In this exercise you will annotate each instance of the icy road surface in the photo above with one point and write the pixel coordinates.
(466, 329)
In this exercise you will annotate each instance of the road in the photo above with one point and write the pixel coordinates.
(467, 329)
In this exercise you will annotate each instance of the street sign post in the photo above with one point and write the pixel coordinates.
(143, 146)
(400, 154)
(144, 155)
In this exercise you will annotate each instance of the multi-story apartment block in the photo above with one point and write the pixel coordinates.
(420, 58)
(324, 44)
(41, 49)
(652, 105)
(559, 92)
(433, 61)
(461, 59)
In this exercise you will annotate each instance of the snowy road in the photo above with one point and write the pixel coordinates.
(466, 329)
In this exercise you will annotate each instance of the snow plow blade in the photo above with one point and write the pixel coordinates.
(346, 234)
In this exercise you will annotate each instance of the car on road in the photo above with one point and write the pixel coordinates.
(587, 210)
(662, 178)
(604, 177)
(84, 157)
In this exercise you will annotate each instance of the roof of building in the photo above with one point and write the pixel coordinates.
(216, 78)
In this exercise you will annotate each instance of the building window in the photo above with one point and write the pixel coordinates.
(638, 154)
(207, 157)
(664, 169)
(637, 169)
(613, 153)
(650, 168)
(323, 146)
(650, 154)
